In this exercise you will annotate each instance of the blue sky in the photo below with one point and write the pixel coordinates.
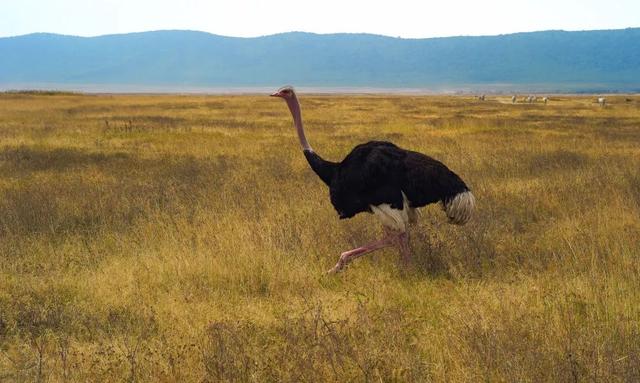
(248, 18)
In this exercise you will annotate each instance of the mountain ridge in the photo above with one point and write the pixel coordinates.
(317, 34)
(567, 60)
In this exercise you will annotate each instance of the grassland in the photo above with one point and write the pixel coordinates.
(183, 238)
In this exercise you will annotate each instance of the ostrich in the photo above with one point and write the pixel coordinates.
(513, 99)
(379, 177)
(602, 101)
(545, 100)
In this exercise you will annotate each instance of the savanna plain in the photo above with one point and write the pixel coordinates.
(164, 238)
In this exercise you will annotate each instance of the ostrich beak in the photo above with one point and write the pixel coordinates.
(276, 94)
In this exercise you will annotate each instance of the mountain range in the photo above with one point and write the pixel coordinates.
(585, 61)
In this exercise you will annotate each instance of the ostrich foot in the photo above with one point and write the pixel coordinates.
(350, 255)
(339, 267)
(400, 239)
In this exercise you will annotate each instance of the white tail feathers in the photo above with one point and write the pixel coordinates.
(460, 208)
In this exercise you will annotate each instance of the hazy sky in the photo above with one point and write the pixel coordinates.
(246, 18)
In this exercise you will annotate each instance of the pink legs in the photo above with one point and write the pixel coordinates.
(401, 239)
(350, 255)
(391, 238)
(405, 250)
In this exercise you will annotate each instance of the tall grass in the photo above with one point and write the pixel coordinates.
(184, 238)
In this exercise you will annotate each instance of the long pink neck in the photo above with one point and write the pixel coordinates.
(294, 107)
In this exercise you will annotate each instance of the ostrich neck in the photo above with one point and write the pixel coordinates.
(326, 170)
(294, 107)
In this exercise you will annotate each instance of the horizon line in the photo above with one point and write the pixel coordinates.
(498, 89)
(314, 33)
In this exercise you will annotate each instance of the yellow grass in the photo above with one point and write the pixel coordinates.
(184, 238)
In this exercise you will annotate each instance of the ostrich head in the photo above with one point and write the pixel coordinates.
(286, 92)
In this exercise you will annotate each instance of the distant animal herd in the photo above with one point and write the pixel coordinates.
(532, 99)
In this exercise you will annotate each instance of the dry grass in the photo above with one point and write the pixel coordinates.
(183, 238)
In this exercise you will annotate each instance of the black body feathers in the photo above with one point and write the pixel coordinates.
(379, 172)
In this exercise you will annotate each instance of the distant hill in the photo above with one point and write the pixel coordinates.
(607, 60)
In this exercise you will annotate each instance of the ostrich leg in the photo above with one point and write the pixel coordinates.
(392, 238)
(401, 240)
(405, 249)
